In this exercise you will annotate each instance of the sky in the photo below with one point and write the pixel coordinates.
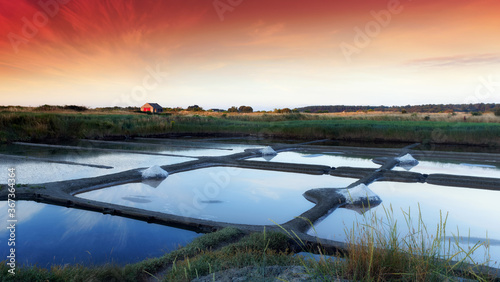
(262, 53)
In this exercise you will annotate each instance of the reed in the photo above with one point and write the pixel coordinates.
(42, 127)
(379, 251)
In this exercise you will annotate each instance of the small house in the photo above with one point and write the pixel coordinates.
(152, 107)
(217, 110)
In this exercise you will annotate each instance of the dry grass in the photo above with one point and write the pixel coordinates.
(387, 116)
(487, 117)
(379, 251)
(371, 127)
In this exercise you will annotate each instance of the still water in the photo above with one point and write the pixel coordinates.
(472, 214)
(233, 195)
(50, 234)
(331, 159)
(47, 235)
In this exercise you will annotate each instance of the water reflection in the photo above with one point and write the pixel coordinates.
(30, 172)
(48, 235)
(268, 157)
(426, 167)
(360, 209)
(471, 212)
(153, 183)
(232, 195)
(169, 146)
(137, 199)
(473, 240)
(328, 159)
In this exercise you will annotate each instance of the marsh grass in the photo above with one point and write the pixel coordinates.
(258, 250)
(40, 127)
(377, 250)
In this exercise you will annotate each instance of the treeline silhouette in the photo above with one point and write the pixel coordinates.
(429, 108)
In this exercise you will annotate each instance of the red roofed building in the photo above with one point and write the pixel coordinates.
(152, 107)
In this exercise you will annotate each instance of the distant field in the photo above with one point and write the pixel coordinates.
(389, 127)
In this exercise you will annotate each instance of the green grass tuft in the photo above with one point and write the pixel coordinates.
(25, 126)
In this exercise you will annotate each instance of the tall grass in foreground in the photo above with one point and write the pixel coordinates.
(378, 251)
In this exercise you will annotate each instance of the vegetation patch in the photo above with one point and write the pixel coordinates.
(377, 251)
(440, 129)
(258, 250)
(132, 272)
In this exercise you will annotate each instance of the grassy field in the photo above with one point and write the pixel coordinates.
(374, 127)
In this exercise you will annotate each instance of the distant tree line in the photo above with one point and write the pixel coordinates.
(49, 108)
(475, 109)
(195, 108)
(241, 109)
(285, 111)
(429, 108)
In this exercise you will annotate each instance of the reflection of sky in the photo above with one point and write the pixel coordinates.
(320, 159)
(241, 195)
(48, 234)
(424, 167)
(427, 167)
(29, 172)
(473, 212)
(195, 149)
(21, 217)
(235, 148)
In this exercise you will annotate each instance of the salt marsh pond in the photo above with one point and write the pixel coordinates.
(220, 183)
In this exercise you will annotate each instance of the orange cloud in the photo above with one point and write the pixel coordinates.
(91, 45)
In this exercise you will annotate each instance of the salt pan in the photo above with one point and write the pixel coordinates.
(359, 194)
(268, 151)
(407, 161)
(154, 172)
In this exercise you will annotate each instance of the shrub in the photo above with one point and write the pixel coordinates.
(476, 113)
(47, 108)
(245, 109)
(76, 108)
(497, 112)
(195, 108)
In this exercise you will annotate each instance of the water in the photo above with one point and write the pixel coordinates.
(188, 147)
(471, 213)
(47, 235)
(332, 159)
(233, 195)
(336, 159)
(31, 172)
(481, 170)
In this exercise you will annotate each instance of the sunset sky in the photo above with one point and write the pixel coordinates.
(261, 53)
